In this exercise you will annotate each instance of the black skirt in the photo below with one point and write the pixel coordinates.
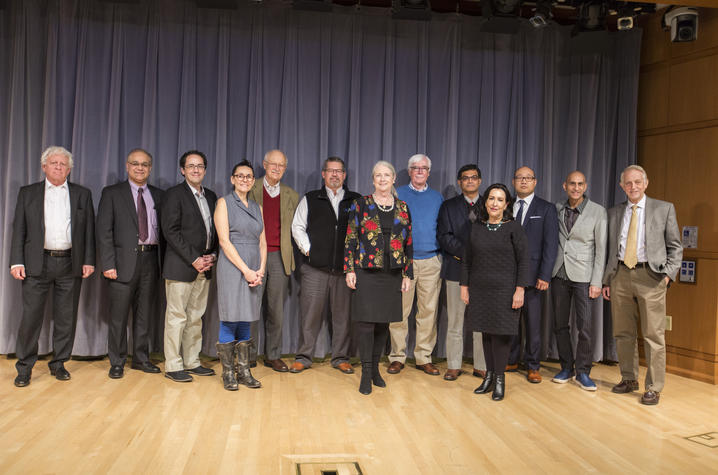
(377, 297)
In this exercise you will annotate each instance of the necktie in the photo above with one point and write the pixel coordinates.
(520, 214)
(142, 215)
(630, 257)
(472, 212)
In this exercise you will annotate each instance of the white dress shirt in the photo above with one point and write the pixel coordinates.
(299, 222)
(641, 238)
(272, 190)
(58, 227)
(527, 203)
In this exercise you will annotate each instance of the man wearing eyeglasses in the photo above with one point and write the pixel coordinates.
(452, 231)
(53, 245)
(319, 228)
(188, 228)
(424, 204)
(278, 202)
(128, 239)
(540, 222)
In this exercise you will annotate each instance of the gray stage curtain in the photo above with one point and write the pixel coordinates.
(102, 78)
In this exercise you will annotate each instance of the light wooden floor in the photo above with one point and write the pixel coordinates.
(419, 424)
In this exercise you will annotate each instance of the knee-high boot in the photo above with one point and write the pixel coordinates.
(225, 351)
(244, 375)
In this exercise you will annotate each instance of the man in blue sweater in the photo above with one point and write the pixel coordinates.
(424, 204)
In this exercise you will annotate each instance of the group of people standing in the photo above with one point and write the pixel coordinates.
(371, 259)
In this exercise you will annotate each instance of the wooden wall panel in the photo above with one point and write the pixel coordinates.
(652, 155)
(693, 92)
(654, 48)
(653, 98)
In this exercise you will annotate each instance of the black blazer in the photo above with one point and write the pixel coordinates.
(28, 229)
(183, 229)
(118, 231)
(453, 230)
(541, 227)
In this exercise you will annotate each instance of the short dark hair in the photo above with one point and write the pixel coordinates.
(508, 212)
(333, 159)
(243, 163)
(183, 158)
(466, 168)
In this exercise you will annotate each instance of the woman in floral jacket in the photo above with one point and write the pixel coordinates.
(378, 266)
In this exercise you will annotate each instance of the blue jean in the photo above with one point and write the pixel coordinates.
(234, 331)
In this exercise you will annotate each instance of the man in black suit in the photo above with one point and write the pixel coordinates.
(53, 244)
(453, 229)
(128, 238)
(540, 222)
(188, 228)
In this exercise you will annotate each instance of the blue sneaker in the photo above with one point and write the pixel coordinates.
(563, 376)
(585, 382)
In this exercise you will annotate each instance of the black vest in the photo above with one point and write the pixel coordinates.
(326, 232)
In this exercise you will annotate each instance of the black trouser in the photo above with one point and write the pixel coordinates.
(372, 340)
(496, 351)
(139, 294)
(563, 293)
(56, 272)
(531, 317)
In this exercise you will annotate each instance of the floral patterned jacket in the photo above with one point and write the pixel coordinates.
(364, 244)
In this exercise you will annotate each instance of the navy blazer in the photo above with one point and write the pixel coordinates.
(541, 227)
(453, 230)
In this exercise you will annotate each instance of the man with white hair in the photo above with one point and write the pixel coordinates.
(53, 245)
(424, 204)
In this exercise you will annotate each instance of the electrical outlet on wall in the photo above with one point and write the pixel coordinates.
(669, 322)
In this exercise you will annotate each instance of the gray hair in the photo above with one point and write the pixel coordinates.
(140, 150)
(55, 150)
(266, 155)
(418, 157)
(638, 168)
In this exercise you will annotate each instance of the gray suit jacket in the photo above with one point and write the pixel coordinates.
(664, 250)
(583, 250)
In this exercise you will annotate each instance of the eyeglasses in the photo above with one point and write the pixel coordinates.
(241, 177)
(192, 166)
(420, 169)
(275, 165)
(140, 164)
(524, 178)
(470, 178)
(334, 171)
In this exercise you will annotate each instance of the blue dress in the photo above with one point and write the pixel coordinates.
(237, 301)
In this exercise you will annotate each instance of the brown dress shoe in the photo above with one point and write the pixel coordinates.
(297, 367)
(533, 376)
(452, 374)
(479, 373)
(345, 368)
(395, 367)
(510, 368)
(625, 386)
(650, 398)
(428, 368)
(276, 365)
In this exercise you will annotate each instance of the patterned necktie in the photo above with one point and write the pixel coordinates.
(630, 257)
(472, 212)
(520, 214)
(142, 215)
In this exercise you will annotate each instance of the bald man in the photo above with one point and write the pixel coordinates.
(576, 278)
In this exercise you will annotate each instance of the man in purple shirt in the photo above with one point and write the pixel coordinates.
(128, 238)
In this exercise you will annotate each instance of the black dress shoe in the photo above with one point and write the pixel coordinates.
(202, 371)
(179, 376)
(146, 366)
(22, 380)
(116, 371)
(60, 373)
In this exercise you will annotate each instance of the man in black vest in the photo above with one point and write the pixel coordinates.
(319, 228)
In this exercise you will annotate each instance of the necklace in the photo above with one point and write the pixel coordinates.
(385, 209)
(493, 226)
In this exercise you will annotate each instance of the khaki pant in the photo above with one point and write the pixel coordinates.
(455, 331)
(637, 297)
(426, 284)
(186, 303)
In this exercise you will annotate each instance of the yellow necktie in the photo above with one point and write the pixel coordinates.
(630, 257)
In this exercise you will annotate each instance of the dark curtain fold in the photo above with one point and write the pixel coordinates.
(103, 78)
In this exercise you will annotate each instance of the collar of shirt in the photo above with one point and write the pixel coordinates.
(50, 186)
(426, 187)
(272, 190)
(580, 206)
(527, 200)
(471, 201)
(194, 190)
(134, 187)
(641, 204)
(338, 195)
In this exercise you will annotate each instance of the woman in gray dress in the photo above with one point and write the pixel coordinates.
(240, 269)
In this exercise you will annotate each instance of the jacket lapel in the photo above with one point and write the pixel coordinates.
(130, 202)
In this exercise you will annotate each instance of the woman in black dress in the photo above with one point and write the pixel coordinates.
(378, 266)
(494, 272)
